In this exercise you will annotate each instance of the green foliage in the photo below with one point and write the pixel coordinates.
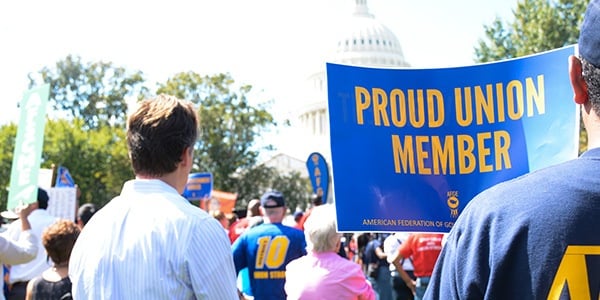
(226, 148)
(295, 188)
(86, 133)
(89, 101)
(97, 159)
(229, 125)
(500, 45)
(8, 135)
(95, 92)
(538, 25)
(252, 184)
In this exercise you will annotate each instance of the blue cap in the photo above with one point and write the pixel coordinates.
(589, 36)
(275, 196)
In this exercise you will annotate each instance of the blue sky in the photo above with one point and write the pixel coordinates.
(270, 44)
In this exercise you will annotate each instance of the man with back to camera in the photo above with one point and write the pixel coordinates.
(253, 217)
(536, 237)
(150, 242)
(266, 249)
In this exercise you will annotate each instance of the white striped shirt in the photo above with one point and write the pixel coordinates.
(151, 243)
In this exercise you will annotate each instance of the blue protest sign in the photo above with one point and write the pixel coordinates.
(318, 172)
(63, 178)
(411, 147)
(198, 187)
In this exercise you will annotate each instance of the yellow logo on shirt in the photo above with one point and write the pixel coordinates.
(573, 273)
(271, 254)
(269, 274)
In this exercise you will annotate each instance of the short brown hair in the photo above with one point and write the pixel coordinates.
(59, 238)
(158, 133)
(591, 75)
(217, 214)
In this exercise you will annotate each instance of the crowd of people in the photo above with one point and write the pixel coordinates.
(151, 243)
(36, 262)
(150, 234)
(273, 254)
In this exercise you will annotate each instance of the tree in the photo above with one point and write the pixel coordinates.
(229, 124)
(295, 188)
(8, 135)
(252, 183)
(227, 147)
(86, 128)
(97, 159)
(539, 25)
(95, 92)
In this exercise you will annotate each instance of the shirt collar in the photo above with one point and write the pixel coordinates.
(147, 186)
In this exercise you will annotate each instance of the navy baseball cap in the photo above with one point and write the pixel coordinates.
(589, 36)
(275, 196)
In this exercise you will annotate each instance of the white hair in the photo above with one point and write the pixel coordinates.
(320, 229)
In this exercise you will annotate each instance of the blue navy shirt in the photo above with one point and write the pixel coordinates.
(266, 250)
(533, 237)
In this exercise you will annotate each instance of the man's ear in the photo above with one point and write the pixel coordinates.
(187, 157)
(580, 91)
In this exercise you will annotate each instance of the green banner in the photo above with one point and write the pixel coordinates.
(28, 147)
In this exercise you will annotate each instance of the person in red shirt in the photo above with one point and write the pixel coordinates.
(253, 218)
(297, 218)
(423, 249)
(315, 200)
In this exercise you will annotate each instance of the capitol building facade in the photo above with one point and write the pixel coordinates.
(360, 40)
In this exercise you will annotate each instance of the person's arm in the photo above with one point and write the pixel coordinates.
(380, 254)
(24, 215)
(410, 283)
(395, 258)
(29, 291)
(25, 249)
(212, 276)
(238, 252)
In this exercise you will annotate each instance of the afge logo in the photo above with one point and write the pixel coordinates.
(453, 203)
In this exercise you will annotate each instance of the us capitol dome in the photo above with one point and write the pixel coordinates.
(361, 40)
